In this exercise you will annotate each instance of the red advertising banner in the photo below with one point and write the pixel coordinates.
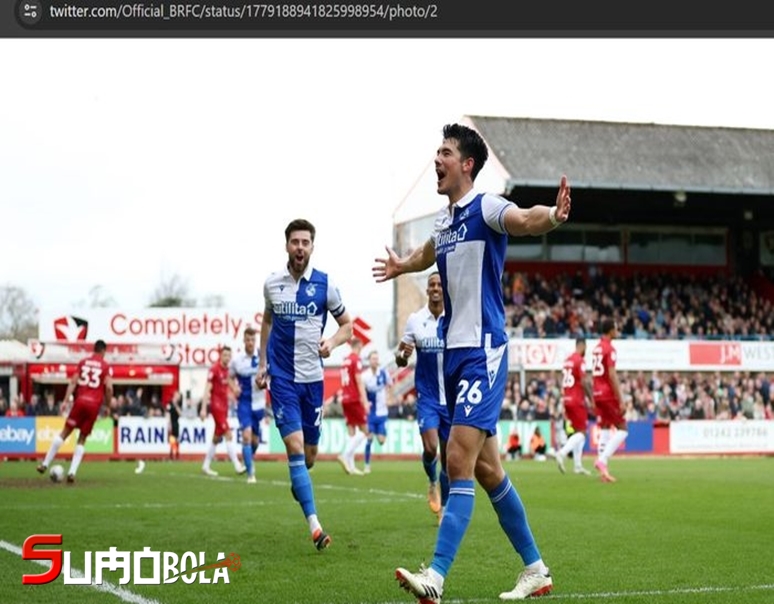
(715, 353)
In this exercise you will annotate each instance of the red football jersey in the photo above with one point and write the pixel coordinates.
(350, 369)
(573, 372)
(90, 387)
(218, 377)
(603, 359)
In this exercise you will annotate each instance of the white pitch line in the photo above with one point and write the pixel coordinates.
(662, 592)
(119, 592)
(382, 495)
(316, 486)
(614, 595)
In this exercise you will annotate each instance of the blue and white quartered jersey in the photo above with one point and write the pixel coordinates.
(423, 331)
(470, 244)
(299, 311)
(244, 368)
(376, 390)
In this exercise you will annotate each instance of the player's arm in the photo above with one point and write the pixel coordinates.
(403, 353)
(233, 385)
(406, 345)
(266, 323)
(615, 384)
(233, 382)
(206, 399)
(588, 388)
(362, 390)
(343, 334)
(539, 219)
(417, 261)
(71, 385)
(108, 389)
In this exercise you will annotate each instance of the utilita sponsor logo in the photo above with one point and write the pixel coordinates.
(168, 567)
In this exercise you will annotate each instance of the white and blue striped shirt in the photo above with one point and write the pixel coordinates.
(299, 312)
(423, 333)
(470, 243)
(376, 391)
(244, 368)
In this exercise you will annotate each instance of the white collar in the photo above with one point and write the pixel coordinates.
(465, 200)
(307, 273)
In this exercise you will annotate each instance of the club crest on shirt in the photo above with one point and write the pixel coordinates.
(311, 289)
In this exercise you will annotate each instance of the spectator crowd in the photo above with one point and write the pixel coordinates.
(648, 306)
(653, 396)
(662, 306)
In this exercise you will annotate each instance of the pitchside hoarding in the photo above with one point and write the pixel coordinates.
(639, 440)
(17, 435)
(137, 436)
(713, 436)
(47, 428)
(648, 355)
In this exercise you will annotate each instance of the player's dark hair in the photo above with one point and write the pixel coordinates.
(470, 144)
(606, 326)
(580, 341)
(225, 348)
(299, 224)
(100, 346)
(250, 331)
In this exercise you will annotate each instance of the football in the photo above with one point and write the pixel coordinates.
(56, 473)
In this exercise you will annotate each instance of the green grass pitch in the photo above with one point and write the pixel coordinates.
(670, 531)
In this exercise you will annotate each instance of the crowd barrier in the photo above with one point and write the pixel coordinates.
(138, 437)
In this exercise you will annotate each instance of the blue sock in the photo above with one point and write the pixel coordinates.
(368, 451)
(430, 468)
(444, 480)
(301, 483)
(513, 519)
(247, 458)
(455, 521)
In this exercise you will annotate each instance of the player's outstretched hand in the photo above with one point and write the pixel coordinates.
(386, 268)
(563, 200)
(260, 378)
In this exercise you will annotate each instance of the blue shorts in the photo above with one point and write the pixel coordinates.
(377, 425)
(475, 380)
(297, 407)
(250, 418)
(433, 415)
